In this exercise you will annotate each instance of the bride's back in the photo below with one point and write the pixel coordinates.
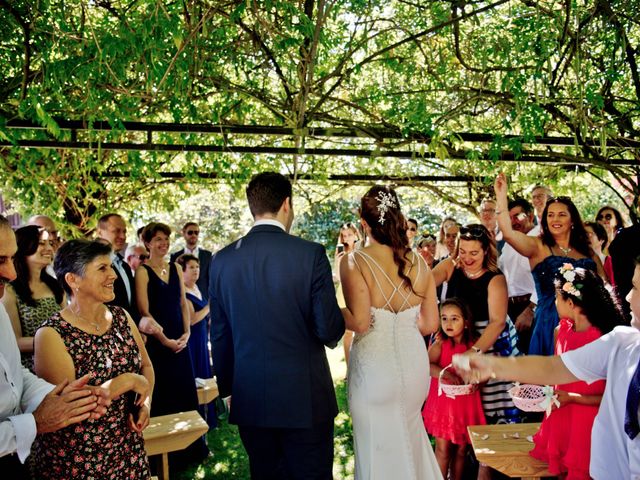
(386, 288)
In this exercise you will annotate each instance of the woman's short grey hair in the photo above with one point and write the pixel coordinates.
(74, 256)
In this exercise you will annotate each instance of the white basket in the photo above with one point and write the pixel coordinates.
(451, 390)
(529, 398)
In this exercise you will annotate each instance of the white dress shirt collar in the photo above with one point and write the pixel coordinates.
(269, 221)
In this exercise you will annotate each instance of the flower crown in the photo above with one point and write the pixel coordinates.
(569, 275)
(385, 202)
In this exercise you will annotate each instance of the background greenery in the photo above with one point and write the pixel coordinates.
(396, 76)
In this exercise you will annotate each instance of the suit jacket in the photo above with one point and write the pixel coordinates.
(273, 310)
(205, 261)
(120, 291)
(624, 249)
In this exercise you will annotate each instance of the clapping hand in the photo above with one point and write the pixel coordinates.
(70, 403)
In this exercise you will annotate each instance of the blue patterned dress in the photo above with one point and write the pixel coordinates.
(546, 317)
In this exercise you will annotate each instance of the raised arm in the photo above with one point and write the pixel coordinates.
(442, 271)
(523, 244)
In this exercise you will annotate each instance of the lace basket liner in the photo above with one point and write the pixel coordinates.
(451, 390)
(533, 398)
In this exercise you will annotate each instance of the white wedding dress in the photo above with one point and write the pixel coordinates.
(388, 383)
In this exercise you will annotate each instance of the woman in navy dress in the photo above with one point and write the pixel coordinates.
(563, 239)
(199, 318)
(161, 296)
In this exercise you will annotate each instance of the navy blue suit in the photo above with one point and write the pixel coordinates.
(273, 310)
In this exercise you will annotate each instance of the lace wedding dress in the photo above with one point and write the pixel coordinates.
(388, 383)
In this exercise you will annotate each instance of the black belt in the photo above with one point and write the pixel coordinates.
(520, 298)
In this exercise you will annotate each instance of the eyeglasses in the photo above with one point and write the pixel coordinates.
(142, 258)
(193, 232)
(413, 229)
(487, 210)
(475, 231)
(606, 216)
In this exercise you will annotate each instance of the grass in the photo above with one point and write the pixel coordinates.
(230, 461)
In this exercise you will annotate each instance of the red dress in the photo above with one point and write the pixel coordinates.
(564, 439)
(446, 417)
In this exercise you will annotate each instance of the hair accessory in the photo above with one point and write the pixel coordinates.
(569, 275)
(385, 202)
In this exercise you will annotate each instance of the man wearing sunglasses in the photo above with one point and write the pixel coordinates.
(135, 256)
(191, 234)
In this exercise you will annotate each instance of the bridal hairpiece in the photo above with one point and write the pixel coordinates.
(569, 275)
(385, 202)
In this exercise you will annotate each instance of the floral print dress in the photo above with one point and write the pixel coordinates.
(105, 448)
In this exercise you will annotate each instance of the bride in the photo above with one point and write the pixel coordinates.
(391, 303)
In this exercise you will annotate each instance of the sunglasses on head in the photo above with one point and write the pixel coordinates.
(606, 216)
(475, 231)
(193, 232)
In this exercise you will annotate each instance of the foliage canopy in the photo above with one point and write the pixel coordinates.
(401, 74)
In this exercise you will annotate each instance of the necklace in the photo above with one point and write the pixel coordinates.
(474, 275)
(96, 325)
(162, 268)
(565, 251)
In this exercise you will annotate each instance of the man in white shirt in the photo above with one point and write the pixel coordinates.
(29, 405)
(517, 272)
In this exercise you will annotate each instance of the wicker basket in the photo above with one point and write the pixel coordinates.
(528, 397)
(451, 390)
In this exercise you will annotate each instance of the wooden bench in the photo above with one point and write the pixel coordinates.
(169, 433)
(208, 392)
(509, 455)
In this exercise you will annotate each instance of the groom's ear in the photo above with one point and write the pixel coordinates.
(286, 205)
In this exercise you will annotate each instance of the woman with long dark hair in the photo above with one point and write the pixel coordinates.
(391, 303)
(563, 239)
(34, 295)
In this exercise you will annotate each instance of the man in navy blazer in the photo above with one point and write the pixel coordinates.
(190, 232)
(273, 310)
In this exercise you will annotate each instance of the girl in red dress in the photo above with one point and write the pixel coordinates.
(586, 311)
(447, 418)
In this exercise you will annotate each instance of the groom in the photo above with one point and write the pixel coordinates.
(273, 310)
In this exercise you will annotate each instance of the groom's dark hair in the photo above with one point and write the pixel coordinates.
(266, 192)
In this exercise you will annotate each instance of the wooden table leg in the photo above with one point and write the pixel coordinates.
(162, 466)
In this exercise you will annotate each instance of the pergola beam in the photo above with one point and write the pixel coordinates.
(377, 133)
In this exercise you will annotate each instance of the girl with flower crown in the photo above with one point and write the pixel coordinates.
(586, 312)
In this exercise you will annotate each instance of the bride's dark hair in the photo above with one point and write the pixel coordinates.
(380, 208)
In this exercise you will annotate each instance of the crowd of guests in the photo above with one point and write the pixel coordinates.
(503, 290)
(121, 328)
(124, 324)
